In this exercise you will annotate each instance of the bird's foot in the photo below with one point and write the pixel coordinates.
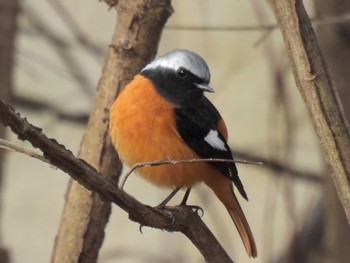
(162, 207)
(195, 209)
(140, 228)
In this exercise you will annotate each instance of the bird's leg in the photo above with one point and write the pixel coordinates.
(166, 200)
(184, 200)
(195, 208)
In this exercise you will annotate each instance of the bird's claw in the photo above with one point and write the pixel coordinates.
(170, 214)
(140, 228)
(196, 209)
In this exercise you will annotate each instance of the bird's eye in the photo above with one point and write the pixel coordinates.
(182, 73)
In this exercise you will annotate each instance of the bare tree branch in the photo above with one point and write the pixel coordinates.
(334, 42)
(315, 84)
(11, 146)
(135, 40)
(186, 221)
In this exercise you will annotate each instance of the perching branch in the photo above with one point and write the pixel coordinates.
(315, 84)
(186, 221)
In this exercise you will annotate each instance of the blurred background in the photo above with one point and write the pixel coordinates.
(59, 51)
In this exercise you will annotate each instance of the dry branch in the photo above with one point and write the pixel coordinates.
(186, 221)
(334, 43)
(134, 43)
(315, 84)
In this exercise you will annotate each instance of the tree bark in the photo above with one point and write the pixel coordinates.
(134, 43)
(8, 28)
(318, 92)
(334, 41)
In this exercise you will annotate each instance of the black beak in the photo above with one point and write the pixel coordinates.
(205, 87)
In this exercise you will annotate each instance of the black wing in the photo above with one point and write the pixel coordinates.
(197, 126)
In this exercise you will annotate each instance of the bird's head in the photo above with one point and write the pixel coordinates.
(181, 76)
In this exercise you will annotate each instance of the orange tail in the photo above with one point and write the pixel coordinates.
(224, 191)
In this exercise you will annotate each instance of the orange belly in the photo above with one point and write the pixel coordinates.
(143, 130)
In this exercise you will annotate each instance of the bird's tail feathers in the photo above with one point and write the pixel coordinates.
(224, 191)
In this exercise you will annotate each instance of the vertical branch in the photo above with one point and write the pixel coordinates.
(334, 41)
(318, 91)
(8, 28)
(134, 43)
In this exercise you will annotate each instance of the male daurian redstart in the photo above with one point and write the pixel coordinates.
(162, 114)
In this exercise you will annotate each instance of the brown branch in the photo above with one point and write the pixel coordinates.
(334, 43)
(138, 28)
(315, 84)
(186, 221)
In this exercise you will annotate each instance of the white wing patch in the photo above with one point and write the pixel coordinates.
(213, 139)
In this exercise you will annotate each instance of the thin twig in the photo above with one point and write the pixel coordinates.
(174, 162)
(4, 144)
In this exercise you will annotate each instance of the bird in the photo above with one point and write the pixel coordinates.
(162, 113)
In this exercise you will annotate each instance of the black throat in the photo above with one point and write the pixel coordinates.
(181, 91)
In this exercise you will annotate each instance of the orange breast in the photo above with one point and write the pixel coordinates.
(142, 128)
